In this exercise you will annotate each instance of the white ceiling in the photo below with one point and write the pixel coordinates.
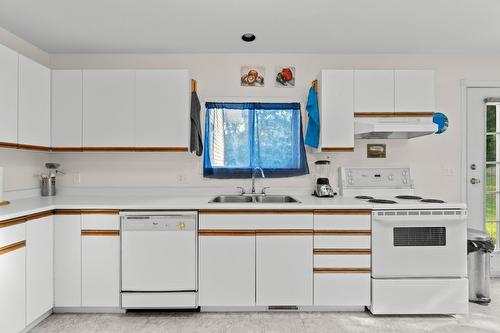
(281, 26)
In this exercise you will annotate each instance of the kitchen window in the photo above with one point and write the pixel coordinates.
(492, 172)
(240, 137)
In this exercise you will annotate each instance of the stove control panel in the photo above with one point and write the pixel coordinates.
(383, 178)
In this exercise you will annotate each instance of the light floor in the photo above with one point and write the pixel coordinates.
(480, 319)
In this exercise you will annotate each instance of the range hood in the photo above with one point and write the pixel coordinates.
(393, 127)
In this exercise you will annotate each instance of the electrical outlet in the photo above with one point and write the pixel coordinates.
(77, 178)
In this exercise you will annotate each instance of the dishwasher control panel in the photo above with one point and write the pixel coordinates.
(167, 222)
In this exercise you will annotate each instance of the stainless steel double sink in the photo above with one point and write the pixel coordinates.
(257, 198)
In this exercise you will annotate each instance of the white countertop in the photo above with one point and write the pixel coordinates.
(28, 206)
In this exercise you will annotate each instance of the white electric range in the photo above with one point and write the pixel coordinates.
(419, 245)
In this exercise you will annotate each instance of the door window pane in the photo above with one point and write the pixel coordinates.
(492, 230)
(491, 118)
(491, 177)
(491, 148)
(491, 207)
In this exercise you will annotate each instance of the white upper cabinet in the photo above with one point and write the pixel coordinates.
(67, 108)
(108, 108)
(336, 105)
(414, 91)
(8, 95)
(374, 90)
(34, 103)
(162, 108)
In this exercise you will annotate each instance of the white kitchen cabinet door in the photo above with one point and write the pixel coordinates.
(227, 270)
(414, 91)
(8, 95)
(67, 108)
(342, 289)
(284, 270)
(39, 267)
(67, 261)
(336, 104)
(162, 114)
(108, 108)
(374, 90)
(13, 291)
(34, 103)
(100, 270)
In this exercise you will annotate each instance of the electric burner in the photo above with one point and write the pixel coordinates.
(382, 201)
(365, 197)
(408, 197)
(432, 201)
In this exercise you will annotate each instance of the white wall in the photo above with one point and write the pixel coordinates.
(22, 166)
(434, 159)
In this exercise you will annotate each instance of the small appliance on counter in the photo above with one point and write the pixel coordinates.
(48, 181)
(323, 188)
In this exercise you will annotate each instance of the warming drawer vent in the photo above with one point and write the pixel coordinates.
(419, 236)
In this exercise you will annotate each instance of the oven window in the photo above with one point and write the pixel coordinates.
(419, 236)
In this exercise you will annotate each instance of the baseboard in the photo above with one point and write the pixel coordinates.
(97, 309)
(307, 308)
(37, 321)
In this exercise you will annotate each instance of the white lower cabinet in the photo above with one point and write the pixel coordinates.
(342, 289)
(67, 260)
(100, 269)
(284, 271)
(227, 270)
(39, 267)
(13, 291)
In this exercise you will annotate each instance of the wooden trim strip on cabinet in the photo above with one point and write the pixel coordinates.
(341, 270)
(33, 147)
(8, 145)
(134, 149)
(283, 232)
(343, 232)
(162, 149)
(253, 211)
(226, 232)
(100, 232)
(337, 149)
(4, 203)
(392, 114)
(341, 251)
(14, 221)
(67, 149)
(100, 212)
(12, 247)
(343, 212)
(67, 212)
(39, 215)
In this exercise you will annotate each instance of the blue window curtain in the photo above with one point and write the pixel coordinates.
(240, 137)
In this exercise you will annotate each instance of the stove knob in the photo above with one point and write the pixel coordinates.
(405, 181)
(390, 177)
(350, 181)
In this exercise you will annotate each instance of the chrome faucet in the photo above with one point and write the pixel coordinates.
(253, 177)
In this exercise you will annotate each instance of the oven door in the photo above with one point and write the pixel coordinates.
(419, 243)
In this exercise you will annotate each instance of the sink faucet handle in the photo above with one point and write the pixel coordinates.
(263, 191)
(242, 189)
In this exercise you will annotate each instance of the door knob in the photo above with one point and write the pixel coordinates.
(474, 181)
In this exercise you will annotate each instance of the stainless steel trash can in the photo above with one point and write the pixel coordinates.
(479, 247)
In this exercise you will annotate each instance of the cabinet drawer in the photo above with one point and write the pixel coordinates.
(250, 220)
(12, 234)
(342, 241)
(342, 289)
(105, 220)
(331, 221)
(342, 260)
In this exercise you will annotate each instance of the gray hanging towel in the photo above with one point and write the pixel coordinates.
(196, 144)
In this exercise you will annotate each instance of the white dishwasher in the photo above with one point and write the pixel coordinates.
(159, 260)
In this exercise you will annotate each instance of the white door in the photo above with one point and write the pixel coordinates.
(39, 267)
(108, 108)
(162, 114)
(67, 108)
(8, 95)
(374, 90)
(483, 162)
(67, 261)
(284, 270)
(101, 270)
(34, 103)
(227, 270)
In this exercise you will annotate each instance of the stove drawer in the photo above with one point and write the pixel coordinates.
(342, 220)
(342, 289)
(341, 241)
(342, 260)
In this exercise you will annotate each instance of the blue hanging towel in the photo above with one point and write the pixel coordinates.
(312, 133)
